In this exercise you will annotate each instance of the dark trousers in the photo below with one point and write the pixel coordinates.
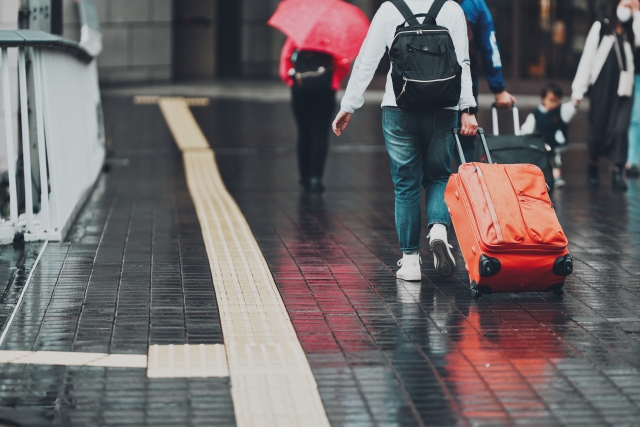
(313, 109)
(609, 134)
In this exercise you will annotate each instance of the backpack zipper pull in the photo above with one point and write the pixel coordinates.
(403, 88)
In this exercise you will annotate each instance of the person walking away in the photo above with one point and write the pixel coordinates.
(551, 120)
(606, 72)
(485, 43)
(633, 158)
(419, 141)
(314, 78)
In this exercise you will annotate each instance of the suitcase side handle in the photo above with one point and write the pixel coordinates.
(456, 133)
(516, 119)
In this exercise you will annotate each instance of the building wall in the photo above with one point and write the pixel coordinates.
(261, 44)
(9, 21)
(195, 54)
(138, 37)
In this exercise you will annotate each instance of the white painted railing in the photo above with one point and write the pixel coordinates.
(61, 133)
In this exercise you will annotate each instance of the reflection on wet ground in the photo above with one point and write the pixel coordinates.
(387, 352)
(16, 262)
(383, 352)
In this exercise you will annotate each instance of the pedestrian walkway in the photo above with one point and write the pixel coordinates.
(164, 268)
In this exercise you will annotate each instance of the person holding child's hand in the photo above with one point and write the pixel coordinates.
(606, 72)
(633, 158)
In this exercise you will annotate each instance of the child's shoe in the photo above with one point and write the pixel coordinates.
(559, 182)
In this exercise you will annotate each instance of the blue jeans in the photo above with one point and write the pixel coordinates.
(634, 129)
(420, 146)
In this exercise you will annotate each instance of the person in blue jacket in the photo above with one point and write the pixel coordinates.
(483, 39)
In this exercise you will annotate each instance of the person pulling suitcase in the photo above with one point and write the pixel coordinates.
(428, 84)
(484, 49)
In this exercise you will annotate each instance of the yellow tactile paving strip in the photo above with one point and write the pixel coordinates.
(183, 125)
(153, 100)
(64, 358)
(163, 361)
(271, 381)
(187, 361)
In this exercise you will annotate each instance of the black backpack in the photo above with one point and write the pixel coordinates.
(312, 69)
(425, 71)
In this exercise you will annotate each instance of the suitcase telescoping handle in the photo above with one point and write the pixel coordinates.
(516, 119)
(456, 133)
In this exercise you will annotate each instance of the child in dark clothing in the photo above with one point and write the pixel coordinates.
(551, 119)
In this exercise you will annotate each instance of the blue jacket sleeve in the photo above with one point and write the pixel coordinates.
(485, 38)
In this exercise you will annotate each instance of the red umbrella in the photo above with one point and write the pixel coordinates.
(330, 26)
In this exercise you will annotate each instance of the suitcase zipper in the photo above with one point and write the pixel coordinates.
(492, 209)
(533, 199)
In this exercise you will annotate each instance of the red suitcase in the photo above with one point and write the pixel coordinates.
(507, 227)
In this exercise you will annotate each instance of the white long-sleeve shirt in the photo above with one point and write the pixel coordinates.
(595, 55)
(380, 37)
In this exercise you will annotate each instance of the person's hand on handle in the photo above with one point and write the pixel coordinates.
(341, 122)
(469, 125)
(504, 99)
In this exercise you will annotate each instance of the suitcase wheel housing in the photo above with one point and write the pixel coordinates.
(563, 266)
(489, 266)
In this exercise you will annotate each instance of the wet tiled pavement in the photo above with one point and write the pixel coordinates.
(386, 352)
(134, 272)
(16, 263)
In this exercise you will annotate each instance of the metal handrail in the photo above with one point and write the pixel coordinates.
(56, 211)
(41, 39)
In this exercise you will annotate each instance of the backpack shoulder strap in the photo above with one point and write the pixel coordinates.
(435, 10)
(405, 11)
(604, 27)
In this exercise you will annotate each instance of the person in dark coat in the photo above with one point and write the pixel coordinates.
(314, 78)
(606, 72)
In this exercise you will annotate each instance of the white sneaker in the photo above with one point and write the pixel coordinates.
(410, 268)
(442, 258)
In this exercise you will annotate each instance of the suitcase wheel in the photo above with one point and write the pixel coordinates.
(557, 289)
(475, 292)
